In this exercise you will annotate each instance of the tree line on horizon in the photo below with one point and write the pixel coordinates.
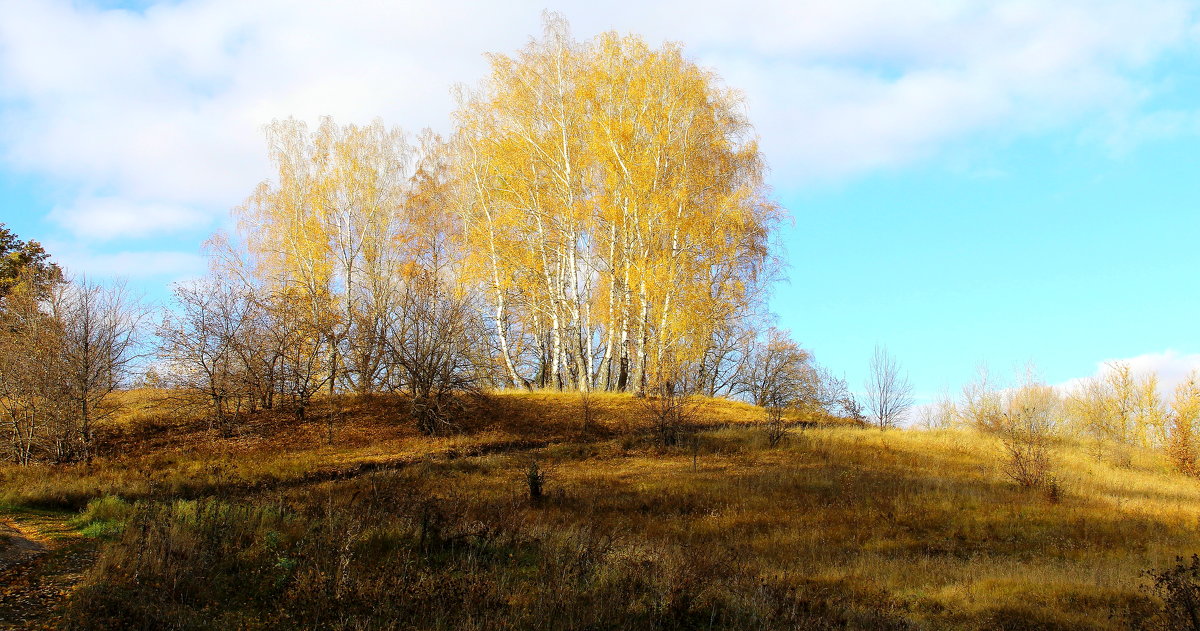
(1111, 415)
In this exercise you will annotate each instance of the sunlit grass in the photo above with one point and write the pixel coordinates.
(916, 526)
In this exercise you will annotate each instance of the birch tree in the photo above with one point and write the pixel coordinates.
(328, 233)
(614, 209)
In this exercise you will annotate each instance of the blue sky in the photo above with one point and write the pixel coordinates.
(997, 182)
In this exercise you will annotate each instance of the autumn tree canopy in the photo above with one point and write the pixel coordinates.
(614, 210)
(597, 220)
(25, 261)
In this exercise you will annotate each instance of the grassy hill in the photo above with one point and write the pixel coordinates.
(838, 526)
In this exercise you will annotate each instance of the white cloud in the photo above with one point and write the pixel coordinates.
(101, 219)
(163, 109)
(1171, 366)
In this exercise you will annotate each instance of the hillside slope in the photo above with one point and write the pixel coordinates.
(836, 527)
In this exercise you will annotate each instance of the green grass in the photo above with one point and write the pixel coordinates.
(103, 518)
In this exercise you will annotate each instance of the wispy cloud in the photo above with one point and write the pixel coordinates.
(164, 266)
(101, 219)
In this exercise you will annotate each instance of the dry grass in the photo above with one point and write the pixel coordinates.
(928, 519)
(159, 448)
(837, 525)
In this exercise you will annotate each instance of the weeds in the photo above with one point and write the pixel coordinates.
(384, 558)
(104, 518)
(1178, 587)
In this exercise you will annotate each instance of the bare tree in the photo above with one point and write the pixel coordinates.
(778, 372)
(432, 341)
(101, 335)
(889, 394)
(64, 348)
(832, 393)
(198, 346)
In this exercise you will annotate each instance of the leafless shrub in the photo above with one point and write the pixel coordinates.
(1026, 433)
(889, 394)
(432, 341)
(775, 426)
(672, 406)
(852, 409)
(535, 479)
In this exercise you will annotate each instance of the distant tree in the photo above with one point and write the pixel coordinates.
(1118, 411)
(889, 394)
(17, 255)
(834, 397)
(981, 403)
(778, 375)
(1087, 409)
(779, 372)
(941, 414)
(1185, 414)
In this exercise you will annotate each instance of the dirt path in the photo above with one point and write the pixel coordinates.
(18, 543)
(41, 560)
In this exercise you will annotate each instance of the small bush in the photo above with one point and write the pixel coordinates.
(673, 407)
(535, 479)
(1053, 490)
(1179, 589)
(775, 432)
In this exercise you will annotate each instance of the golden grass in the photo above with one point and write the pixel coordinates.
(156, 447)
(927, 518)
(922, 524)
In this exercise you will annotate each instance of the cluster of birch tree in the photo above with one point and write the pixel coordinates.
(597, 220)
(613, 201)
